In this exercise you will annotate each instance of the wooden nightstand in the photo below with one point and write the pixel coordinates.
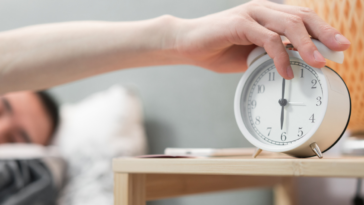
(139, 180)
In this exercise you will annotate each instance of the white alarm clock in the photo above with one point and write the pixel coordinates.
(299, 117)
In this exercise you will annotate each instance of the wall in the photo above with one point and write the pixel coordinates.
(185, 106)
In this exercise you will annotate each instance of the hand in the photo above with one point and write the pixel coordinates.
(221, 42)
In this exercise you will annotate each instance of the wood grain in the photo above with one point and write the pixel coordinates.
(327, 167)
(285, 192)
(129, 189)
(160, 186)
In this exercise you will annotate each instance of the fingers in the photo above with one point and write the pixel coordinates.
(294, 29)
(315, 26)
(272, 43)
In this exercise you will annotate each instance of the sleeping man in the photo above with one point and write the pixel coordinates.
(103, 126)
(27, 117)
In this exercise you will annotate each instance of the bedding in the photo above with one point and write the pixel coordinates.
(103, 126)
(29, 174)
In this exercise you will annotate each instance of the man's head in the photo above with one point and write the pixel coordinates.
(27, 117)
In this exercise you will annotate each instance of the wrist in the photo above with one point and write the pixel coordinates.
(151, 42)
(171, 31)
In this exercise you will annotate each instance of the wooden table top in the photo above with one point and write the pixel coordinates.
(265, 165)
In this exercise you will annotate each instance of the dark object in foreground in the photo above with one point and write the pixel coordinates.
(26, 182)
(358, 200)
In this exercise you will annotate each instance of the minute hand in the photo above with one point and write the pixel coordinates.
(283, 87)
(282, 102)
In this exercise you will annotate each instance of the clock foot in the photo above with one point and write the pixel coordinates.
(316, 149)
(257, 152)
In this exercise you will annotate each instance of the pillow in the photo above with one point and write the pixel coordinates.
(92, 132)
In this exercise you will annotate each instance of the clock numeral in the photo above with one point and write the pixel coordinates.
(257, 120)
(283, 136)
(271, 76)
(253, 104)
(261, 88)
(312, 118)
(314, 82)
(319, 102)
(270, 129)
(301, 73)
(300, 132)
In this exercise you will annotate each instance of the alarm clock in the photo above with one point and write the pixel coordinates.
(302, 117)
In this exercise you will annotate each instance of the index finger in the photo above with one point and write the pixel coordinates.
(315, 26)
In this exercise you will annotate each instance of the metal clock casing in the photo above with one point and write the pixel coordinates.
(329, 126)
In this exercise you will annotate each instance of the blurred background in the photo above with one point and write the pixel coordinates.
(184, 106)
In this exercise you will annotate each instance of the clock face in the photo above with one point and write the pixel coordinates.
(280, 112)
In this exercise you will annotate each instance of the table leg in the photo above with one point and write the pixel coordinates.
(129, 189)
(285, 192)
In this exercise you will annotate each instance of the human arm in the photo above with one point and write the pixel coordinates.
(42, 56)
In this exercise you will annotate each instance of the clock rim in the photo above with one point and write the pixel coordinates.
(347, 123)
(238, 116)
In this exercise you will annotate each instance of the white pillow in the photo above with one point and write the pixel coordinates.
(92, 132)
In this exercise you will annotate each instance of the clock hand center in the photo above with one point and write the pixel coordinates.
(282, 102)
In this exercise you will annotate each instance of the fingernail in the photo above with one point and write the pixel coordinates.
(341, 39)
(318, 57)
(289, 72)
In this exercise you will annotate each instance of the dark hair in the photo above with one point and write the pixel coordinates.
(51, 108)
